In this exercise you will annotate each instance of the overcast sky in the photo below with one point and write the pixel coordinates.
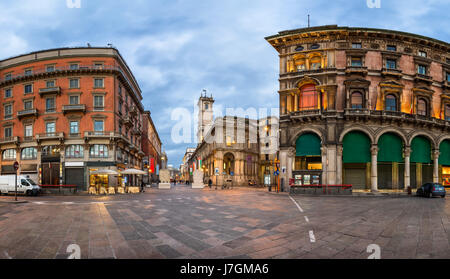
(177, 48)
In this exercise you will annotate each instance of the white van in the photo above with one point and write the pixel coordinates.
(25, 185)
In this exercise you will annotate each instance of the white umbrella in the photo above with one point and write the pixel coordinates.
(133, 171)
(108, 172)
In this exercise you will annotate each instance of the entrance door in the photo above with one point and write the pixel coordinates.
(355, 177)
(50, 173)
(75, 176)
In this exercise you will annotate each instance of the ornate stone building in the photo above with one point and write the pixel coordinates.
(362, 106)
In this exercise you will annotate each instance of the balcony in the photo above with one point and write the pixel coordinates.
(50, 90)
(127, 121)
(50, 136)
(74, 108)
(133, 111)
(27, 113)
(388, 72)
(28, 139)
(423, 78)
(9, 140)
(358, 70)
(99, 134)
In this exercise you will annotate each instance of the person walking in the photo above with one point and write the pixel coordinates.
(210, 183)
(142, 186)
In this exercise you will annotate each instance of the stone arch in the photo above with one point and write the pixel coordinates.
(441, 139)
(383, 131)
(426, 135)
(303, 131)
(306, 80)
(369, 132)
(229, 159)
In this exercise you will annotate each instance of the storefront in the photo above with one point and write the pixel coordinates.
(444, 162)
(74, 175)
(308, 160)
(356, 160)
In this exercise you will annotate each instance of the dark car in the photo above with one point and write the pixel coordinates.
(431, 190)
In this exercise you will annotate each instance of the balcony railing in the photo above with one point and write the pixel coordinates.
(74, 108)
(391, 72)
(9, 140)
(424, 78)
(127, 121)
(49, 90)
(100, 134)
(27, 112)
(51, 135)
(356, 70)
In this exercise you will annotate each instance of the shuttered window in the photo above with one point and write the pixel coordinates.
(308, 145)
(356, 148)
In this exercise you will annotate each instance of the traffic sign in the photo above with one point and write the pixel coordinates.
(16, 165)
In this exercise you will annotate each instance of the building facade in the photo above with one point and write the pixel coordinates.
(361, 106)
(66, 112)
(235, 150)
(151, 146)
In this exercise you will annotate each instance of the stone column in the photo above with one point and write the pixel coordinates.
(339, 164)
(289, 167)
(324, 165)
(374, 169)
(407, 154)
(436, 166)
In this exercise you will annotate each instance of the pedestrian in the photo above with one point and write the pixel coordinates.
(142, 186)
(210, 183)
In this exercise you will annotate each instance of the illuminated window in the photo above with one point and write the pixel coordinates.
(308, 98)
(75, 151)
(422, 107)
(99, 151)
(447, 112)
(29, 153)
(315, 63)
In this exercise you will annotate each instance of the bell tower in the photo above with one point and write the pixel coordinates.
(205, 115)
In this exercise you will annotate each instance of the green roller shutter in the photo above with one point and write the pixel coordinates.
(421, 150)
(308, 145)
(356, 148)
(390, 148)
(444, 149)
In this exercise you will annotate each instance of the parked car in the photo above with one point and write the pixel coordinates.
(24, 185)
(431, 190)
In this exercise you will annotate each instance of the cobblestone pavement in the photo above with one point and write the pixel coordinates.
(238, 223)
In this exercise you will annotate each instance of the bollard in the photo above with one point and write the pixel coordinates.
(409, 190)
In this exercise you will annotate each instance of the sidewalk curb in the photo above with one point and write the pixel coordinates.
(13, 202)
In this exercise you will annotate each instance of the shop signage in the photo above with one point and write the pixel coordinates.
(74, 164)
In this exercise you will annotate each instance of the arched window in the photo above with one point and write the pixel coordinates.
(300, 65)
(99, 151)
(391, 103)
(75, 151)
(422, 107)
(356, 100)
(299, 48)
(315, 63)
(9, 154)
(29, 153)
(447, 112)
(308, 97)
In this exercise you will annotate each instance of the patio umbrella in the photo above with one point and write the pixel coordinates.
(105, 171)
(133, 171)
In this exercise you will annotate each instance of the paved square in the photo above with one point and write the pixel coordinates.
(239, 223)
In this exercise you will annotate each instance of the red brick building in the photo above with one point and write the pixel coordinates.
(151, 146)
(66, 112)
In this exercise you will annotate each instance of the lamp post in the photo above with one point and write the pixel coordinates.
(16, 167)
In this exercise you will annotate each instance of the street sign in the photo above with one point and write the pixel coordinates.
(276, 173)
(217, 171)
(16, 166)
(231, 173)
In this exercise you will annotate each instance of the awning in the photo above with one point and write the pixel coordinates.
(105, 171)
(133, 171)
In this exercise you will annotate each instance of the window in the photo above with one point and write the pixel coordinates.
(99, 151)
(120, 128)
(120, 106)
(299, 48)
(391, 103)
(447, 112)
(206, 106)
(391, 48)
(315, 46)
(28, 131)
(74, 83)
(422, 107)
(8, 93)
(422, 53)
(8, 111)
(50, 128)
(9, 154)
(28, 104)
(8, 132)
(50, 68)
(74, 99)
(301, 67)
(74, 127)
(120, 90)
(98, 65)
(356, 45)
(51, 150)
(8, 76)
(98, 83)
(391, 64)
(356, 62)
(308, 98)
(50, 104)
(28, 153)
(75, 151)
(50, 83)
(28, 88)
(357, 100)
(28, 72)
(421, 69)
(315, 63)
(74, 66)
(447, 76)
(98, 102)
(98, 126)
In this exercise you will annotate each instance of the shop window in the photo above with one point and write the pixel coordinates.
(357, 100)
(9, 154)
(391, 103)
(99, 151)
(422, 107)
